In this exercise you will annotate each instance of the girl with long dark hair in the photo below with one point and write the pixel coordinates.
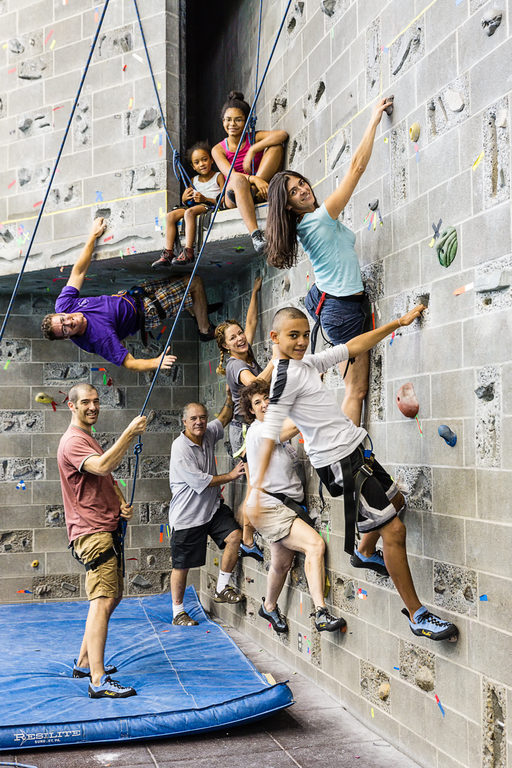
(337, 298)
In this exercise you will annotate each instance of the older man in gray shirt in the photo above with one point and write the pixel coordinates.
(197, 510)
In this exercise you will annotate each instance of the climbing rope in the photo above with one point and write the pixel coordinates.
(54, 171)
(138, 446)
(252, 125)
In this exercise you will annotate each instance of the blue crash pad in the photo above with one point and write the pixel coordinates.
(188, 679)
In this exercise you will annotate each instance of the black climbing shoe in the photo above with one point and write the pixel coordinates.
(86, 672)
(275, 617)
(209, 335)
(326, 622)
(214, 307)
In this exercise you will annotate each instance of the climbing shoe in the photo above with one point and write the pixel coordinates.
(427, 624)
(253, 551)
(258, 242)
(275, 617)
(86, 672)
(110, 689)
(187, 256)
(165, 259)
(374, 563)
(326, 622)
(209, 335)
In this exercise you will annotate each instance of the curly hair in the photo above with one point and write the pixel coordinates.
(46, 327)
(220, 338)
(257, 387)
(281, 226)
(235, 100)
(198, 145)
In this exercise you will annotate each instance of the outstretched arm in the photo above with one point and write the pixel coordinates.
(150, 363)
(337, 201)
(251, 321)
(111, 459)
(79, 271)
(366, 341)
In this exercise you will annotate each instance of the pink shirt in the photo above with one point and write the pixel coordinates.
(90, 501)
(239, 165)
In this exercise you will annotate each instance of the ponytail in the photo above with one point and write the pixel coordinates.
(220, 368)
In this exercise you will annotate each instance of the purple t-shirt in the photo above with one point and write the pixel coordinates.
(109, 319)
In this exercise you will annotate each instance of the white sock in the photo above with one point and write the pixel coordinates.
(223, 580)
(177, 609)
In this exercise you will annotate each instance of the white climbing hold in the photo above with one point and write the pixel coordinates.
(454, 100)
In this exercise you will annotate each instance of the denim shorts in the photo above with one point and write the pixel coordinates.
(340, 319)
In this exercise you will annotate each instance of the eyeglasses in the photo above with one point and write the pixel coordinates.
(237, 120)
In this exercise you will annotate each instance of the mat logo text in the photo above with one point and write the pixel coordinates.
(45, 736)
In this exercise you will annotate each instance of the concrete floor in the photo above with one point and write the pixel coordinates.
(315, 731)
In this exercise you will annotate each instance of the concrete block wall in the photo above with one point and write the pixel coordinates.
(33, 541)
(448, 75)
(115, 161)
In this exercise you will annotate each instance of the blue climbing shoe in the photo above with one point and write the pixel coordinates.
(447, 434)
(429, 625)
(275, 617)
(110, 689)
(253, 551)
(374, 563)
(86, 672)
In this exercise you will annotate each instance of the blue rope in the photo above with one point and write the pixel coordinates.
(54, 171)
(177, 167)
(252, 126)
(212, 219)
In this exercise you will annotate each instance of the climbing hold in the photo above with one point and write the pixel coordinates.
(414, 131)
(374, 204)
(448, 435)
(446, 246)
(407, 401)
(485, 393)
(140, 581)
(390, 107)
(501, 119)
(384, 691)
(454, 100)
(493, 281)
(491, 21)
(34, 564)
(328, 7)
(67, 586)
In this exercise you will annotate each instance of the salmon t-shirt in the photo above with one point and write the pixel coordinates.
(90, 501)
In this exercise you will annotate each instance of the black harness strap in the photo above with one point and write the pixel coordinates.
(299, 509)
(113, 551)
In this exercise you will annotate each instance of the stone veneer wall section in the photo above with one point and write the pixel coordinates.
(452, 78)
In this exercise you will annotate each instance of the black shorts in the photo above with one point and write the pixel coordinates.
(188, 546)
(375, 508)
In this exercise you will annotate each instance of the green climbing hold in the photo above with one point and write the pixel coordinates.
(446, 246)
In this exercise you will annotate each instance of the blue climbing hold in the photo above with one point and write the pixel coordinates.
(448, 435)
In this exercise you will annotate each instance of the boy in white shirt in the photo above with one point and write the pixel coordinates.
(334, 446)
(280, 516)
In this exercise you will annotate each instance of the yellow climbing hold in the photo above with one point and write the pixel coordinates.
(414, 131)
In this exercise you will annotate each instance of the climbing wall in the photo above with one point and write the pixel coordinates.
(441, 160)
(35, 563)
(115, 161)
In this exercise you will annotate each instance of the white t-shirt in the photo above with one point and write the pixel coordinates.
(210, 188)
(297, 391)
(280, 477)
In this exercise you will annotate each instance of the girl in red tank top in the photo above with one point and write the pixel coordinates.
(248, 183)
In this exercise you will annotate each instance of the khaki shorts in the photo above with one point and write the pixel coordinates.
(274, 523)
(107, 579)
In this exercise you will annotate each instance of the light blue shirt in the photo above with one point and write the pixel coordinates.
(330, 247)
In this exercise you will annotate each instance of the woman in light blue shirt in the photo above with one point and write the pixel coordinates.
(337, 298)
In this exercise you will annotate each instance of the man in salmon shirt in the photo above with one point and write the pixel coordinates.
(94, 506)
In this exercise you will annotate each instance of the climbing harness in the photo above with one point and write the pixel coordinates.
(353, 483)
(360, 298)
(116, 549)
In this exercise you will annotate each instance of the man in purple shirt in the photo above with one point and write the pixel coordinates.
(98, 324)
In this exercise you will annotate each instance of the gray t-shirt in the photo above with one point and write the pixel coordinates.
(234, 368)
(194, 501)
(280, 476)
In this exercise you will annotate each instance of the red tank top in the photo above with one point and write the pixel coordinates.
(239, 165)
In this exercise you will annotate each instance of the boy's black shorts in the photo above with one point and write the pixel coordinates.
(375, 508)
(188, 546)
